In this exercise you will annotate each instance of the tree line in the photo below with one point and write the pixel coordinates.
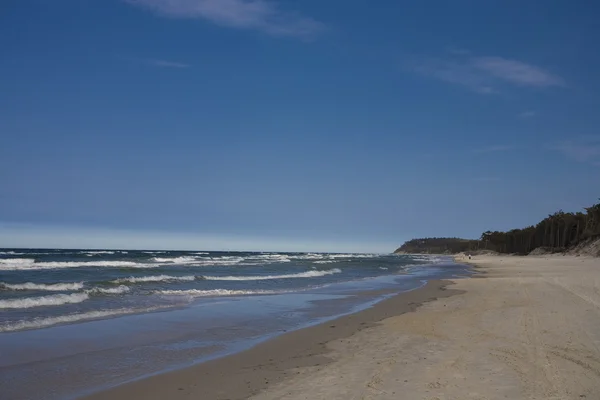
(555, 233)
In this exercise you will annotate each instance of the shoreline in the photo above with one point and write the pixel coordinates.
(247, 373)
(526, 328)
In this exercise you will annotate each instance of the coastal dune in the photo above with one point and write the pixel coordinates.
(521, 328)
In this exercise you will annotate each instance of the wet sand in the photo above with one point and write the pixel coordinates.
(253, 371)
(523, 328)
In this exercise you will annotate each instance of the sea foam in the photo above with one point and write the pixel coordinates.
(52, 287)
(45, 322)
(154, 278)
(117, 290)
(20, 264)
(52, 300)
(307, 274)
(216, 292)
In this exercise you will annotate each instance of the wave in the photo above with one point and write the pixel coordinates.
(200, 261)
(94, 253)
(19, 264)
(220, 261)
(8, 262)
(54, 287)
(45, 322)
(177, 260)
(331, 256)
(430, 258)
(117, 290)
(216, 292)
(269, 258)
(52, 300)
(154, 278)
(307, 274)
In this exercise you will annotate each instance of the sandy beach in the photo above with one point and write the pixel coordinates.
(522, 328)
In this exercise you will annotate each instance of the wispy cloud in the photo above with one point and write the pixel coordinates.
(493, 148)
(584, 149)
(516, 72)
(453, 72)
(261, 15)
(167, 64)
(484, 74)
(527, 114)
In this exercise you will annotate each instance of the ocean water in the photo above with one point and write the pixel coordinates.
(104, 317)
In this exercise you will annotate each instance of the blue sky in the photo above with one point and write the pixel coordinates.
(292, 125)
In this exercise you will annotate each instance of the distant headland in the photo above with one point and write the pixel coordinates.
(575, 233)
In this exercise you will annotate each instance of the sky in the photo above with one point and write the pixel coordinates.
(283, 125)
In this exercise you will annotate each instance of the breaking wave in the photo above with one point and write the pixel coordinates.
(53, 287)
(175, 260)
(45, 322)
(154, 278)
(117, 290)
(52, 300)
(216, 292)
(307, 274)
(20, 264)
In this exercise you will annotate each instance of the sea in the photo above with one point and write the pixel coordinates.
(106, 317)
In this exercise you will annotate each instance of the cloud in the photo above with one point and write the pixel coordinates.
(516, 72)
(454, 72)
(167, 64)
(493, 149)
(585, 149)
(527, 114)
(261, 15)
(484, 74)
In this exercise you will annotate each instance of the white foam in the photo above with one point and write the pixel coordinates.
(330, 257)
(307, 274)
(54, 287)
(433, 259)
(271, 258)
(16, 262)
(202, 261)
(19, 264)
(118, 290)
(383, 268)
(220, 261)
(70, 318)
(52, 300)
(154, 278)
(216, 292)
(99, 252)
(325, 261)
(175, 260)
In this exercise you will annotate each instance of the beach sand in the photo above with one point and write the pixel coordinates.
(522, 328)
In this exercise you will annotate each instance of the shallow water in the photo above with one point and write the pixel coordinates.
(86, 346)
